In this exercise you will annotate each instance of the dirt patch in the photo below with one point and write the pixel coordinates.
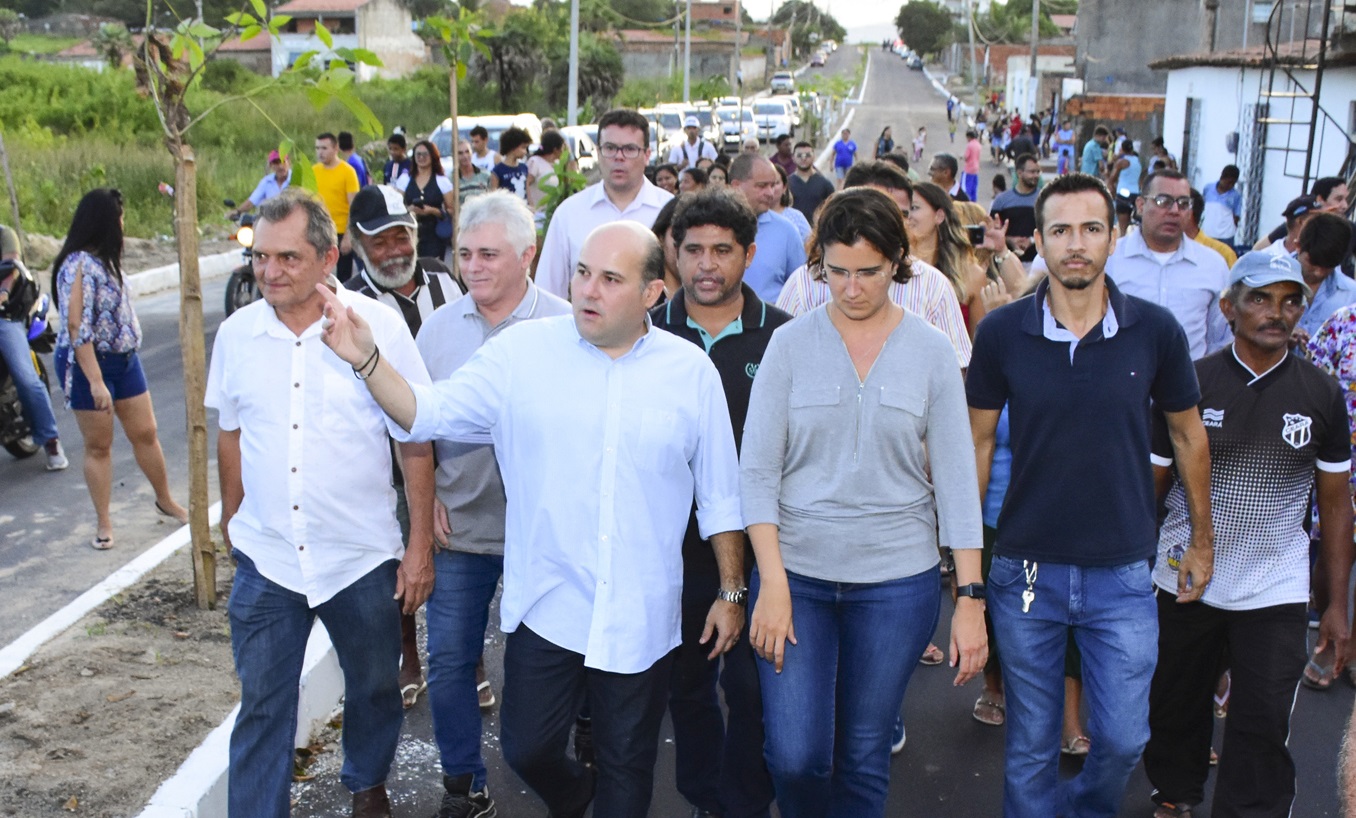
(108, 710)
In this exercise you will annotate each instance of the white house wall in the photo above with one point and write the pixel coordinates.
(385, 27)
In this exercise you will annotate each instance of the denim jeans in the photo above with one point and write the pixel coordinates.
(829, 713)
(1115, 625)
(458, 612)
(544, 687)
(269, 629)
(32, 393)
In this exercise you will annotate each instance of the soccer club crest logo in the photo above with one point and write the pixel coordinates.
(1296, 431)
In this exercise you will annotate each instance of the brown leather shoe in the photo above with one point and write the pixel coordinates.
(372, 803)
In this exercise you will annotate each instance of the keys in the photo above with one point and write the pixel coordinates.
(1028, 596)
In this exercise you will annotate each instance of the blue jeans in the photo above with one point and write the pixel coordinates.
(269, 629)
(458, 612)
(32, 392)
(829, 713)
(1115, 625)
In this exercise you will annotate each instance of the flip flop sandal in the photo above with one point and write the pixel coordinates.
(1077, 746)
(989, 710)
(1321, 678)
(101, 543)
(1222, 698)
(486, 695)
(932, 656)
(159, 509)
(409, 694)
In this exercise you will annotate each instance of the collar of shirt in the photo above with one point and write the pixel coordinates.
(468, 307)
(753, 316)
(1040, 321)
(1246, 371)
(637, 349)
(649, 194)
(268, 323)
(1135, 246)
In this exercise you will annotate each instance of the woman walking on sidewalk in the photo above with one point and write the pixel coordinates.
(96, 357)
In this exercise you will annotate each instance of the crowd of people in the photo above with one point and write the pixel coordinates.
(732, 421)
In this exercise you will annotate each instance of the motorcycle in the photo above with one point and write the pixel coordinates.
(15, 433)
(240, 287)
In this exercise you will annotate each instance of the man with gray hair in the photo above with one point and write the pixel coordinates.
(384, 240)
(605, 429)
(497, 241)
(780, 248)
(310, 541)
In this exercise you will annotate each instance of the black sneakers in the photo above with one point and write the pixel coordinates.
(460, 802)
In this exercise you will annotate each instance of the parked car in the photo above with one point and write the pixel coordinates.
(916, 62)
(794, 102)
(582, 141)
(496, 124)
(736, 125)
(783, 82)
(774, 119)
(817, 61)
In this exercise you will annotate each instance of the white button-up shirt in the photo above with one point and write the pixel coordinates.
(601, 460)
(1189, 285)
(319, 511)
(578, 216)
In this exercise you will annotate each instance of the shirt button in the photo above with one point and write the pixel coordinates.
(301, 548)
(298, 343)
(297, 385)
(294, 425)
(604, 537)
(294, 469)
(295, 508)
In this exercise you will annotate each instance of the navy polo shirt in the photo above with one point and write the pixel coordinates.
(1082, 489)
(736, 352)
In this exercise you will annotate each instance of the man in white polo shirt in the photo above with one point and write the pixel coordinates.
(695, 149)
(624, 195)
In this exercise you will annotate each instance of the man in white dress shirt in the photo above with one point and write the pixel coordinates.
(313, 535)
(605, 429)
(623, 195)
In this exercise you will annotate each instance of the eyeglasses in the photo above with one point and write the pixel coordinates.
(418, 154)
(804, 155)
(860, 275)
(611, 151)
(1165, 201)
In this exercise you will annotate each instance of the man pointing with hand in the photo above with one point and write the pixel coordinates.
(605, 430)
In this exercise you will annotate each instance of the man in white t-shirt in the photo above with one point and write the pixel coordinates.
(695, 149)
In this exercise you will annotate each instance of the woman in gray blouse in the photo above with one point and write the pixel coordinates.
(857, 461)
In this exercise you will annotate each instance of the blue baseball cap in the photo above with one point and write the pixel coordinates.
(1260, 268)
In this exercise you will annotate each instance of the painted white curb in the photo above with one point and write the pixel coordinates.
(167, 277)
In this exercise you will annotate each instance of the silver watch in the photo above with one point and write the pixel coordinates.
(738, 597)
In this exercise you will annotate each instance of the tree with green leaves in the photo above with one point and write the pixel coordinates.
(113, 42)
(600, 74)
(924, 25)
(10, 25)
(517, 54)
(168, 63)
(1011, 22)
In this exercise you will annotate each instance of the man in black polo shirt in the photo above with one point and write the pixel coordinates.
(1077, 364)
(1277, 425)
(720, 767)
(1017, 207)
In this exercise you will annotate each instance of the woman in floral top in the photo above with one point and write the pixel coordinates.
(1333, 349)
(96, 357)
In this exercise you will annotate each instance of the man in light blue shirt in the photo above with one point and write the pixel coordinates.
(781, 251)
(1160, 264)
(605, 430)
(276, 181)
(1323, 244)
(1223, 206)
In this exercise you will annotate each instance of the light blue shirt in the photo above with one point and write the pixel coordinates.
(799, 221)
(268, 187)
(601, 461)
(1189, 285)
(781, 251)
(1336, 291)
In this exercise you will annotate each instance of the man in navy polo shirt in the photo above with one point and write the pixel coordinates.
(720, 767)
(1077, 364)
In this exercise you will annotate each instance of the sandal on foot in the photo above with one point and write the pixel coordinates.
(164, 512)
(101, 543)
(1222, 697)
(989, 709)
(1316, 676)
(1077, 746)
(486, 695)
(409, 694)
(932, 656)
(1170, 810)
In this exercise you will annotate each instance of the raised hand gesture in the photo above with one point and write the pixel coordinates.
(344, 331)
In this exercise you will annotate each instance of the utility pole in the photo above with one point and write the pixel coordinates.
(738, 83)
(1032, 94)
(687, 54)
(970, 29)
(572, 115)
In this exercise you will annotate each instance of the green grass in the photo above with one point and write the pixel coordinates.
(41, 44)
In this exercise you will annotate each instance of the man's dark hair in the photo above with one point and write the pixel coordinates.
(1326, 238)
(698, 175)
(1229, 172)
(345, 141)
(1324, 187)
(626, 118)
(663, 220)
(551, 141)
(1165, 173)
(897, 159)
(879, 174)
(1074, 183)
(782, 138)
(1023, 159)
(397, 139)
(1197, 206)
(858, 214)
(802, 144)
(513, 139)
(971, 135)
(742, 167)
(1000, 181)
(652, 265)
(327, 135)
(949, 161)
(718, 207)
(479, 131)
(1101, 130)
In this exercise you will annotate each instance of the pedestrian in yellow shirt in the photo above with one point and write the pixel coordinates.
(337, 184)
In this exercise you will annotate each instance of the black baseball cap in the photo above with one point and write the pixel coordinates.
(1301, 205)
(377, 207)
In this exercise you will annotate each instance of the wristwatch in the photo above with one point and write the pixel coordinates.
(738, 597)
(974, 590)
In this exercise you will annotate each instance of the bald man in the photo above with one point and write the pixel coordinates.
(593, 539)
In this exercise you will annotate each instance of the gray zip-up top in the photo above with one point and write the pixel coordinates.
(842, 465)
